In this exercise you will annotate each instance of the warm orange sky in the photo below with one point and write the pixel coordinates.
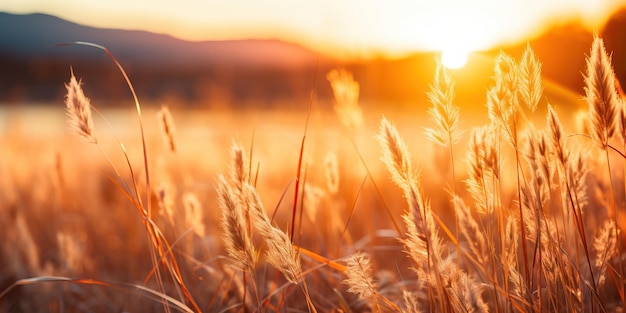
(342, 28)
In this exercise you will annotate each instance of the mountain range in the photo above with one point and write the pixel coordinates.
(38, 36)
(34, 68)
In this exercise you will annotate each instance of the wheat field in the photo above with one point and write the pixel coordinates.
(332, 210)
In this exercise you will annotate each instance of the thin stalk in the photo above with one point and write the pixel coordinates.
(352, 209)
(454, 207)
(256, 294)
(307, 297)
(292, 226)
(519, 199)
(620, 287)
(582, 233)
(125, 287)
(378, 192)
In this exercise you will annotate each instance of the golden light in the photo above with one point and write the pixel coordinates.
(454, 59)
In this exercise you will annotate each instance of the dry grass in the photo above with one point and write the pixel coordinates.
(529, 220)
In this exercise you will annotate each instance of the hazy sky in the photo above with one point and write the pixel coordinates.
(340, 27)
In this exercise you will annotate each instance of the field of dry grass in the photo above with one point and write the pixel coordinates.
(516, 210)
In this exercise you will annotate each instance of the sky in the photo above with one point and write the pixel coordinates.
(340, 28)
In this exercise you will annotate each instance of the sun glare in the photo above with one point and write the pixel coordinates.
(454, 59)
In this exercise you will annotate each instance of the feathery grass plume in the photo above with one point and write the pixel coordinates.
(483, 168)
(418, 222)
(238, 172)
(78, 109)
(555, 131)
(410, 302)
(601, 93)
(313, 198)
(396, 156)
(70, 253)
(281, 253)
(535, 195)
(237, 241)
(423, 240)
(443, 113)
(475, 165)
(505, 69)
(193, 213)
(535, 189)
(346, 92)
(570, 164)
(165, 194)
(332, 172)
(509, 263)
(464, 292)
(544, 156)
(576, 174)
(605, 245)
(473, 233)
(423, 244)
(561, 276)
(501, 99)
(238, 176)
(167, 127)
(530, 79)
(359, 276)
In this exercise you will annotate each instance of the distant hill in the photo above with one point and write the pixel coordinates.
(37, 36)
(33, 68)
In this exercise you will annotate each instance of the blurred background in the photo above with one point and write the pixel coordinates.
(207, 54)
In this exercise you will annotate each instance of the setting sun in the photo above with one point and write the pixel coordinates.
(454, 59)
